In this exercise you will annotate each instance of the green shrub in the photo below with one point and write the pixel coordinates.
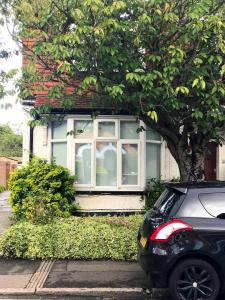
(153, 190)
(41, 191)
(74, 238)
(2, 189)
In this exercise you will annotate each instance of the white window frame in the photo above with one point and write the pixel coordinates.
(72, 141)
(161, 161)
(100, 187)
(52, 141)
(121, 143)
(95, 128)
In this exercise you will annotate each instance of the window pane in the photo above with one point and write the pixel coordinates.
(106, 164)
(128, 130)
(83, 163)
(83, 129)
(106, 129)
(59, 130)
(130, 164)
(214, 203)
(152, 135)
(59, 152)
(152, 160)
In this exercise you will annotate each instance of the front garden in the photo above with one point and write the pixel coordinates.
(42, 197)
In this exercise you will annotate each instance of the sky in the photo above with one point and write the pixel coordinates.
(13, 116)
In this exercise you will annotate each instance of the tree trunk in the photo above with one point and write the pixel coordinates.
(190, 158)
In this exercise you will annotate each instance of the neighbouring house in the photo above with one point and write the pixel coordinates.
(7, 165)
(110, 160)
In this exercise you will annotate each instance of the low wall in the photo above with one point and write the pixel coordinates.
(6, 167)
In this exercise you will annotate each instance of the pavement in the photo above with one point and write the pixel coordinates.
(5, 212)
(70, 279)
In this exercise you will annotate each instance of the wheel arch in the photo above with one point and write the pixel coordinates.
(201, 256)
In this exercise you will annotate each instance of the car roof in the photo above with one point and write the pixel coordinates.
(183, 187)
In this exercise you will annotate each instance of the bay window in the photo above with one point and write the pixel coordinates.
(106, 154)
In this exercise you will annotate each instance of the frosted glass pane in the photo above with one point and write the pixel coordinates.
(59, 152)
(152, 134)
(130, 164)
(152, 160)
(106, 129)
(83, 163)
(83, 129)
(106, 164)
(59, 130)
(128, 130)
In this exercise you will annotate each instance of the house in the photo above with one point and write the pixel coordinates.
(110, 160)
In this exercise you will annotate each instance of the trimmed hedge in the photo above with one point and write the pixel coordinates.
(74, 238)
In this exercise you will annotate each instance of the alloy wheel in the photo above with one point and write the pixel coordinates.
(195, 283)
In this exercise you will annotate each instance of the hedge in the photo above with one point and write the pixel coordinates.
(2, 189)
(41, 191)
(94, 238)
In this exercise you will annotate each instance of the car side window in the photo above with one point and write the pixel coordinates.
(214, 203)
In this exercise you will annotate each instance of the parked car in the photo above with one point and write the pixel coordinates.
(181, 242)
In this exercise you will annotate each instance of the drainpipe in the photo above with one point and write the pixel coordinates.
(31, 144)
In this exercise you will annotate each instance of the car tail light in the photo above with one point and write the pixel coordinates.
(166, 230)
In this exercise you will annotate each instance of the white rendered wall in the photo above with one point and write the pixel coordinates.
(40, 142)
(171, 167)
(220, 163)
(119, 203)
(26, 138)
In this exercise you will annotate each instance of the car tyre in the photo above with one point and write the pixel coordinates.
(194, 279)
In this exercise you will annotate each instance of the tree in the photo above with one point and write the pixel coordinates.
(162, 60)
(5, 54)
(10, 143)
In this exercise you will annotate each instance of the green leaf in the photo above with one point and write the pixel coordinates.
(153, 115)
(195, 82)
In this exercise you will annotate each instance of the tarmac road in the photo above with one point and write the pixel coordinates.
(84, 298)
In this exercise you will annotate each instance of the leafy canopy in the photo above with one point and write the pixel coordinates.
(163, 61)
(154, 55)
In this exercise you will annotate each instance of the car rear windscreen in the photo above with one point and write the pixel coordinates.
(214, 203)
(166, 201)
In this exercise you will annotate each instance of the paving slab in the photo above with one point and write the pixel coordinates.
(18, 266)
(75, 274)
(5, 212)
(5, 220)
(15, 281)
(15, 275)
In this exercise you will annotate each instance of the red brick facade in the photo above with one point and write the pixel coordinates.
(41, 94)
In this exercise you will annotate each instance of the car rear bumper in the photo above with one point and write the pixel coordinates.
(154, 265)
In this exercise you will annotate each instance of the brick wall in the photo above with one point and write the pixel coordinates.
(6, 167)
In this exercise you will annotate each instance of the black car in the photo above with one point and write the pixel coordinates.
(182, 241)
